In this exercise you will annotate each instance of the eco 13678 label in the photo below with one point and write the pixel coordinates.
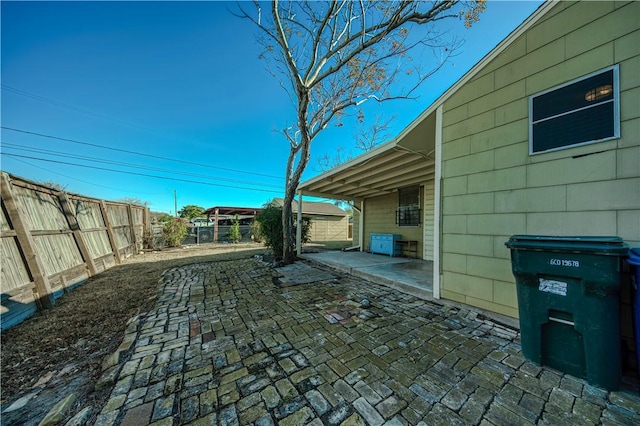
(564, 262)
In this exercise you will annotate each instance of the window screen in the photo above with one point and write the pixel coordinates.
(408, 213)
(583, 111)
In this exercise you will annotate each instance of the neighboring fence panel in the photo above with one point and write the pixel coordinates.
(138, 225)
(118, 216)
(58, 253)
(13, 273)
(94, 229)
(51, 241)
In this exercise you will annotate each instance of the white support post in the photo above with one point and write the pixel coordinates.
(437, 205)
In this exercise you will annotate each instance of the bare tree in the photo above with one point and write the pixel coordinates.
(368, 136)
(134, 201)
(54, 185)
(373, 133)
(333, 56)
(329, 161)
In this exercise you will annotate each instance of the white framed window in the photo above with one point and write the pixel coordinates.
(408, 213)
(583, 111)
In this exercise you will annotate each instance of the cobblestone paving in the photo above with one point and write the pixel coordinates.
(227, 346)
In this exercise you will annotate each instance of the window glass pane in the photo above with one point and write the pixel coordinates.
(408, 213)
(590, 91)
(590, 124)
(409, 197)
(408, 216)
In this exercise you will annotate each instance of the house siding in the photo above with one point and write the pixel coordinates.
(329, 228)
(379, 217)
(428, 220)
(356, 227)
(492, 188)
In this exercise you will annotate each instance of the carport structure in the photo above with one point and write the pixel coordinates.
(216, 212)
(373, 182)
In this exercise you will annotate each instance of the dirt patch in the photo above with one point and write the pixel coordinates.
(60, 351)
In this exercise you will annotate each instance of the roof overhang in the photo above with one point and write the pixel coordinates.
(404, 161)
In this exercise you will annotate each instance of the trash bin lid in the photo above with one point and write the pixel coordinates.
(612, 246)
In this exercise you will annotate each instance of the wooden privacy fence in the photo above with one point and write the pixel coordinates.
(52, 240)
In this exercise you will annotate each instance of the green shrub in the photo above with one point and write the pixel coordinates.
(190, 212)
(174, 232)
(256, 234)
(306, 229)
(234, 235)
(270, 228)
(165, 218)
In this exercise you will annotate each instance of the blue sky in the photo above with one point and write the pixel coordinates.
(178, 82)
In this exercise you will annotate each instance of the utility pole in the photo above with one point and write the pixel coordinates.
(175, 203)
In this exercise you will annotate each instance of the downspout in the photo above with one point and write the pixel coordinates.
(437, 206)
(299, 226)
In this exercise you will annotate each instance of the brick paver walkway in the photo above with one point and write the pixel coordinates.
(226, 345)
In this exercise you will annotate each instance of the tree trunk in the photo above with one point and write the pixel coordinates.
(288, 255)
(294, 175)
(288, 243)
(287, 215)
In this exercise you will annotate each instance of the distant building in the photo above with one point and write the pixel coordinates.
(328, 222)
(216, 226)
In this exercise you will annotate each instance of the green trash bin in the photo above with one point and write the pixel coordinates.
(569, 303)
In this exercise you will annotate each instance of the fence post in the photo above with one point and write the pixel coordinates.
(146, 226)
(112, 237)
(26, 243)
(77, 233)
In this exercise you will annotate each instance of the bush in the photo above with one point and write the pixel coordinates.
(148, 240)
(164, 218)
(174, 232)
(306, 229)
(270, 228)
(190, 212)
(256, 234)
(234, 235)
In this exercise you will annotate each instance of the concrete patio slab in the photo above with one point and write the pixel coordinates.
(356, 259)
(409, 275)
